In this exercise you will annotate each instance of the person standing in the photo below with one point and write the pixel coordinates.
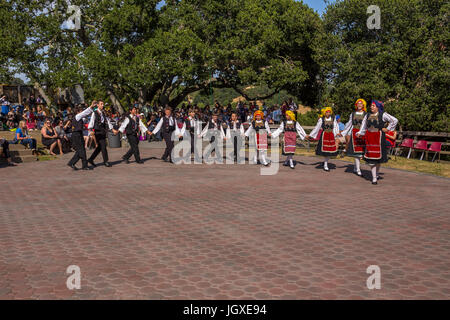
(130, 126)
(235, 133)
(191, 127)
(327, 141)
(167, 125)
(78, 139)
(356, 145)
(100, 123)
(291, 128)
(261, 130)
(374, 129)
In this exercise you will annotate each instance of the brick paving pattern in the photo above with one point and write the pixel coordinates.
(161, 231)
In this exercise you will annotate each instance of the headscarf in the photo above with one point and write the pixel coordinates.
(290, 114)
(259, 112)
(364, 103)
(324, 111)
(379, 104)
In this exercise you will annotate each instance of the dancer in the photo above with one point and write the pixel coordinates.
(168, 125)
(261, 130)
(291, 128)
(327, 142)
(214, 128)
(77, 138)
(235, 133)
(192, 128)
(355, 145)
(373, 128)
(99, 123)
(130, 126)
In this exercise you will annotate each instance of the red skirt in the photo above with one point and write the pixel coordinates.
(373, 146)
(261, 141)
(358, 144)
(328, 142)
(290, 142)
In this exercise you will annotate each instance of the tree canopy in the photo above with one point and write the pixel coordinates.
(161, 52)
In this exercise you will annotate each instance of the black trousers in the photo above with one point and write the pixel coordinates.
(5, 147)
(192, 142)
(167, 136)
(101, 141)
(237, 145)
(80, 151)
(133, 141)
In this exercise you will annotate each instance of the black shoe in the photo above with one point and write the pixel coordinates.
(374, 183)
(92, 163)
(164, 159)
(107, 164)
(73, 167)
(126, 160)
(140, 162)
(86, 168)
(379, 178)
(10, 164)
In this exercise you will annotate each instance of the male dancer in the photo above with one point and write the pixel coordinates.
(213, 128)
(168, 125)
(99, 123)
(130, 126)
(78, 139)
(193, 127)
(235, 133)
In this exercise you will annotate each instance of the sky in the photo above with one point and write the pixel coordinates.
(317, 5)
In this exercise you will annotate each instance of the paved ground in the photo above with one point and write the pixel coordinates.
(160, 231)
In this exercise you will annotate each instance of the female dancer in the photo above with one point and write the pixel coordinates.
(290, 127)
(373, 128)
(327, 142)
(261, 130)
(355, 145)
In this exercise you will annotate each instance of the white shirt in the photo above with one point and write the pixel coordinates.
(349, 125)
(102, 119)
(251, 130)
(83, 114)
(194, 124)
(126, 121)
(172, 122)
(216, 127)
(232, 127)
(318, 126)
(301, 132)
(393, 121)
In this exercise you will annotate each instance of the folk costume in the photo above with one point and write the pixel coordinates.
(328, 129)
(356, 145)
(101, 124)
(130, 126)
(191, 128)
(213, 129)
(375, 138)
(261, 130)
(168, 125)
(78, 140)
(290, 127)
(235, 133)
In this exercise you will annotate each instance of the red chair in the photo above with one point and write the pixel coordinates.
(436, 147)
(421, 145)
(407, 143)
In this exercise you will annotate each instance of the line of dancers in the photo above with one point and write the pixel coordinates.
(365, 133)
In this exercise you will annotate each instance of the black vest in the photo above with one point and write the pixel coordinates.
(166, 127)
(238, 125)
(327, 126)
(99, 126)
(190, 128)
(77, 125)
(262, 127)
(378, 123)
(292, 129)
(357, 122)
(211, 125)
(132, 126)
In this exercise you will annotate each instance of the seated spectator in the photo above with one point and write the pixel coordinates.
(62, 130)
(4, 144)
(24, 138)
(50, 138)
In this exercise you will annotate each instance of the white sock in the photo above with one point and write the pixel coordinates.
(325, 163)
(291, 162)
(374, 173)
(255, 159)
(357, 165)
(263, 158)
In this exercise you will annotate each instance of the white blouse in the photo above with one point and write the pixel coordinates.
(318, 126)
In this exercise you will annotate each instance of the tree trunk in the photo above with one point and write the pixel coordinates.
(43, 94)
(115, 101)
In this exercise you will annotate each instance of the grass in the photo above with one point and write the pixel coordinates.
(439, 169)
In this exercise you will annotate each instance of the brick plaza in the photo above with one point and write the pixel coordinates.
(164, 231)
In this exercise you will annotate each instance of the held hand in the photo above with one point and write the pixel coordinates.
(357, 134)
(384, 130)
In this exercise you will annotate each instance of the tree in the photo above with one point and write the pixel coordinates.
(405, 63)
